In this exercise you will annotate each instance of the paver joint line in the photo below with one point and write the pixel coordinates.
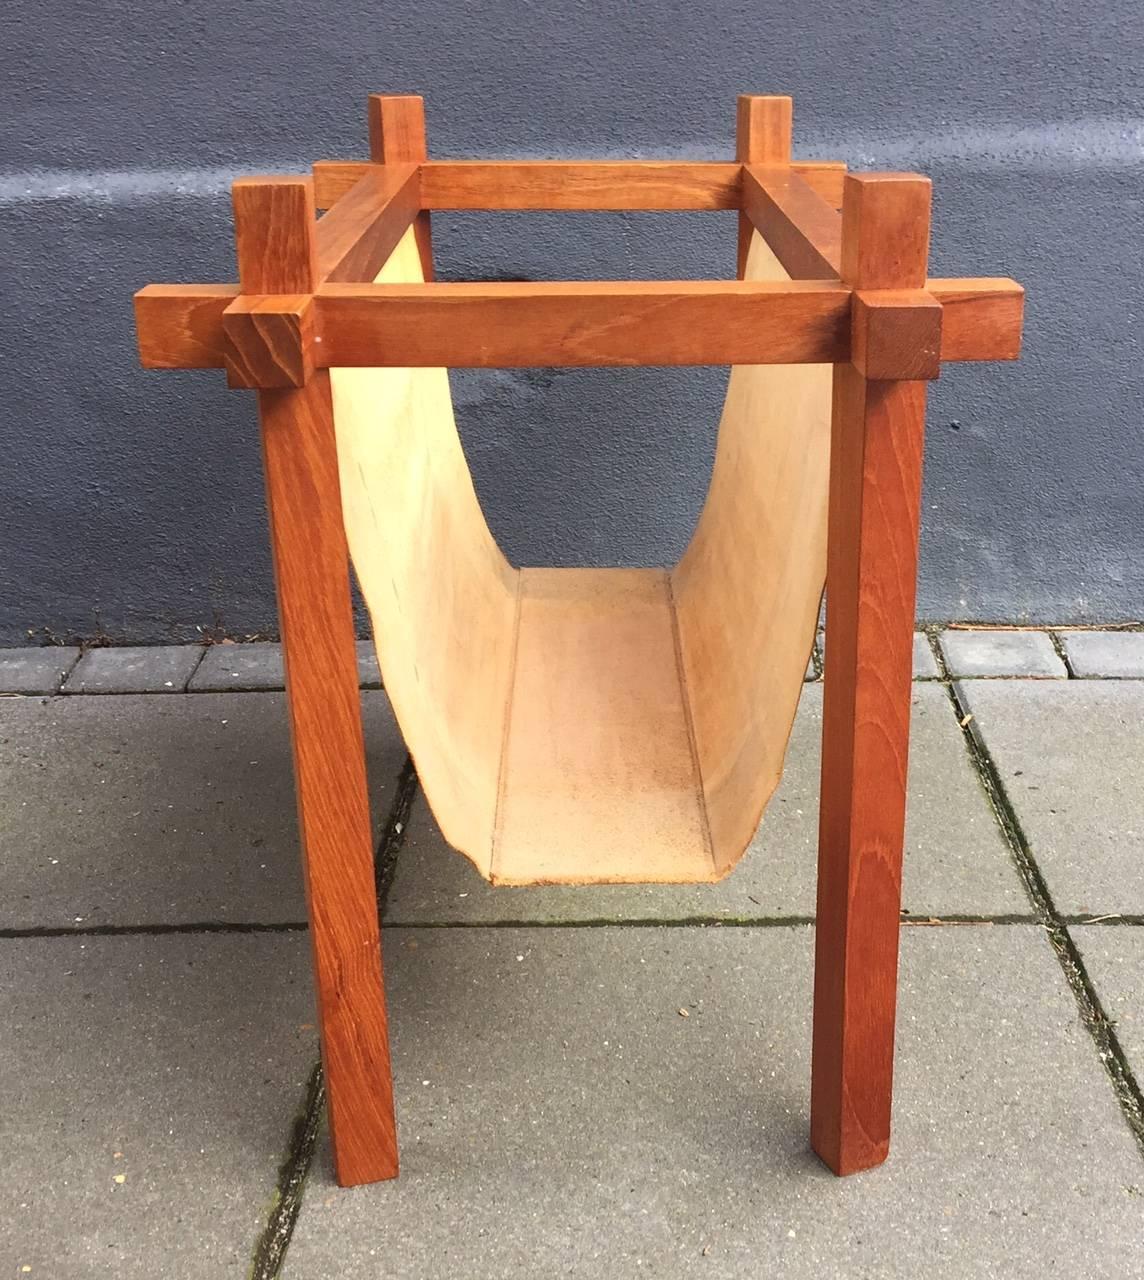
(1109, 1049)
(1062, 653)
(393, 834)
(156, 930)
(701, 922)
(603, 922)
(270, 1251)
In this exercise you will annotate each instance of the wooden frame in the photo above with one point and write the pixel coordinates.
(815, 287)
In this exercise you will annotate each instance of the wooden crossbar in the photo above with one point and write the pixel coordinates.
(372, 204)
(583, 185)
(577, 184)
(597, 323)
(346, 321)
(181, 326)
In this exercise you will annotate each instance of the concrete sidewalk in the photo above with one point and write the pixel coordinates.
(601, 1082)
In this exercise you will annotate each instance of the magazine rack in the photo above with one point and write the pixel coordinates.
(595, 725)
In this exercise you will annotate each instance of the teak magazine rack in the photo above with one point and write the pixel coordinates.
(584, 725)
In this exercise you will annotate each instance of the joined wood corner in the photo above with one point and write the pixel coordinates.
(179, 326)
(896, 334)
(269, 341)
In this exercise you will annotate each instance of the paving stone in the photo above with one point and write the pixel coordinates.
(1110, 655)
(259, 666)
(136, 809)
(1071, 756)
(173, 1063)
(241, 667)
(1001, 653)
(369, 673)
(38, 670)
(956, 861)
(925, 664)
(142, 669)
(1113, 956)
(559, 1117)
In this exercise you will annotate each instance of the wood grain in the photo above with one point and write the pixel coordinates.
(359, 233)
(896, 334)
(595, 323)
(824, 177)
(396, 128)
(592, 184)
(269, 341)
(981, 319)
(275, 240)
(763, 125)
(885, 230)
(311, 571)
(803, 231)
(397, 136)
(179, 326)
(333, 178)
(875, 497)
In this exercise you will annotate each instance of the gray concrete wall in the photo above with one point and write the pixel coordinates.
(130, 502)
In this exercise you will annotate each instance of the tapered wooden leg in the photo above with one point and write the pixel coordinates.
(277, 255)
(312, 572)
(875, 487)
(877, 431)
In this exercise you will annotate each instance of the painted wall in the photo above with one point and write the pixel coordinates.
(130, 502)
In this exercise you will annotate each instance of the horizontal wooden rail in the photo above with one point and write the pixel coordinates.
(598, 323)
(576, 185)
(803, 231)
(981, 319)
(582, 185)
(362, 229)
(181, 327)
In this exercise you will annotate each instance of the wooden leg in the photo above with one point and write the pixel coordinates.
(875, 494)
(312, 572)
